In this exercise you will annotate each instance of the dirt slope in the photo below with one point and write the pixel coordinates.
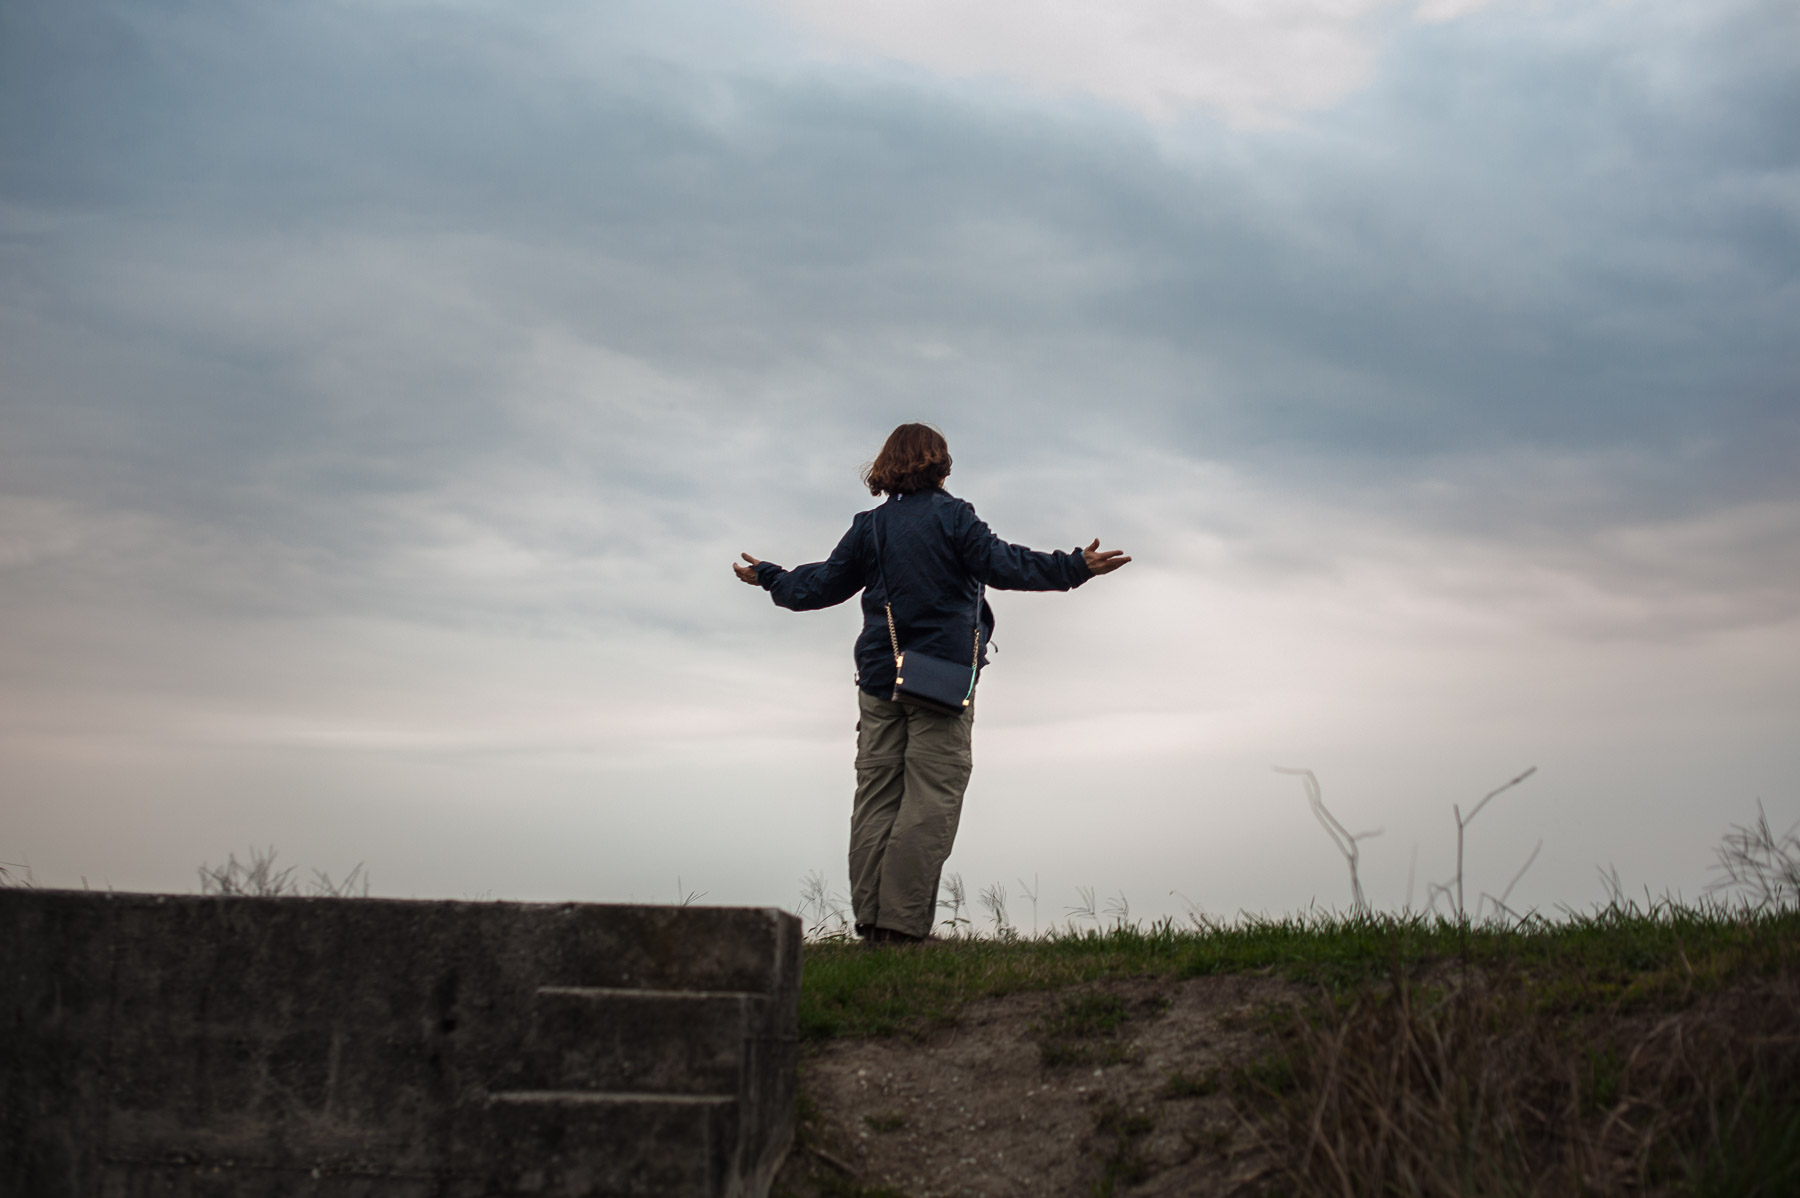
(1111, 1089)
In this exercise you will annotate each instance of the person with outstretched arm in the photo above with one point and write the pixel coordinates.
(922, 560)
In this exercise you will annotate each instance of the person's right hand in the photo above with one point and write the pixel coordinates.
(1103, 563)
(748, 573)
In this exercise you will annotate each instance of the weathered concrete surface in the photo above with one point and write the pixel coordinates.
(184, 1046)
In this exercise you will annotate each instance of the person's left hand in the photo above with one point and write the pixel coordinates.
(1102, 562)
(747, 573)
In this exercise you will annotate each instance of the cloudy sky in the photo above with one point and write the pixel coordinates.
(386, 386)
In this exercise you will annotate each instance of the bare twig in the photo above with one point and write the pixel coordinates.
(1454, 887)
(1463, 823)
(1341, 837)
(1507, 893)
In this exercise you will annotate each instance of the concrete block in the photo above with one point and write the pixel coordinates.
(184, 1045)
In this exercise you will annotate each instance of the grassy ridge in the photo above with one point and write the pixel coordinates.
(1631, 1050)
(1619, 954)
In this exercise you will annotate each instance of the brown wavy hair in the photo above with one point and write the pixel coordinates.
(915, 458)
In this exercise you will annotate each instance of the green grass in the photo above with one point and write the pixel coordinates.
(1083, 1030)
(1085, 1017)
(1616, 958)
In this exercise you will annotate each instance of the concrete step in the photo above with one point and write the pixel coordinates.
(646, 1041)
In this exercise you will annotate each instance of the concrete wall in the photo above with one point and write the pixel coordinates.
(189, 1046)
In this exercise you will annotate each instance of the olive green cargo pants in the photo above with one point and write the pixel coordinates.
(912, 766)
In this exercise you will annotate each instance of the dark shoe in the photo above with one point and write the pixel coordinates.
(874, 937)
(890, 936)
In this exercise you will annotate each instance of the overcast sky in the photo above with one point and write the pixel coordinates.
(387, 385)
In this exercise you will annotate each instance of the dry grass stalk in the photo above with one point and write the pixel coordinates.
(259, 878)
(821, 912)
(1489, 1089)
(1764, 869)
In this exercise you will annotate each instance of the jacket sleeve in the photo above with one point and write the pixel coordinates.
(1009, 567)
(817, 584)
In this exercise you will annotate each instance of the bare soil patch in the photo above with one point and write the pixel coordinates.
(1119, 1087)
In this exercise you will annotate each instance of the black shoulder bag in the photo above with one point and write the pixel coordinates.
(944, 686)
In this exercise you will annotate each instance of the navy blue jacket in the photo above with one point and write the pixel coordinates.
(935, 556)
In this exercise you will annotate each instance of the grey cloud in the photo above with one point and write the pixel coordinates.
(296, 259)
